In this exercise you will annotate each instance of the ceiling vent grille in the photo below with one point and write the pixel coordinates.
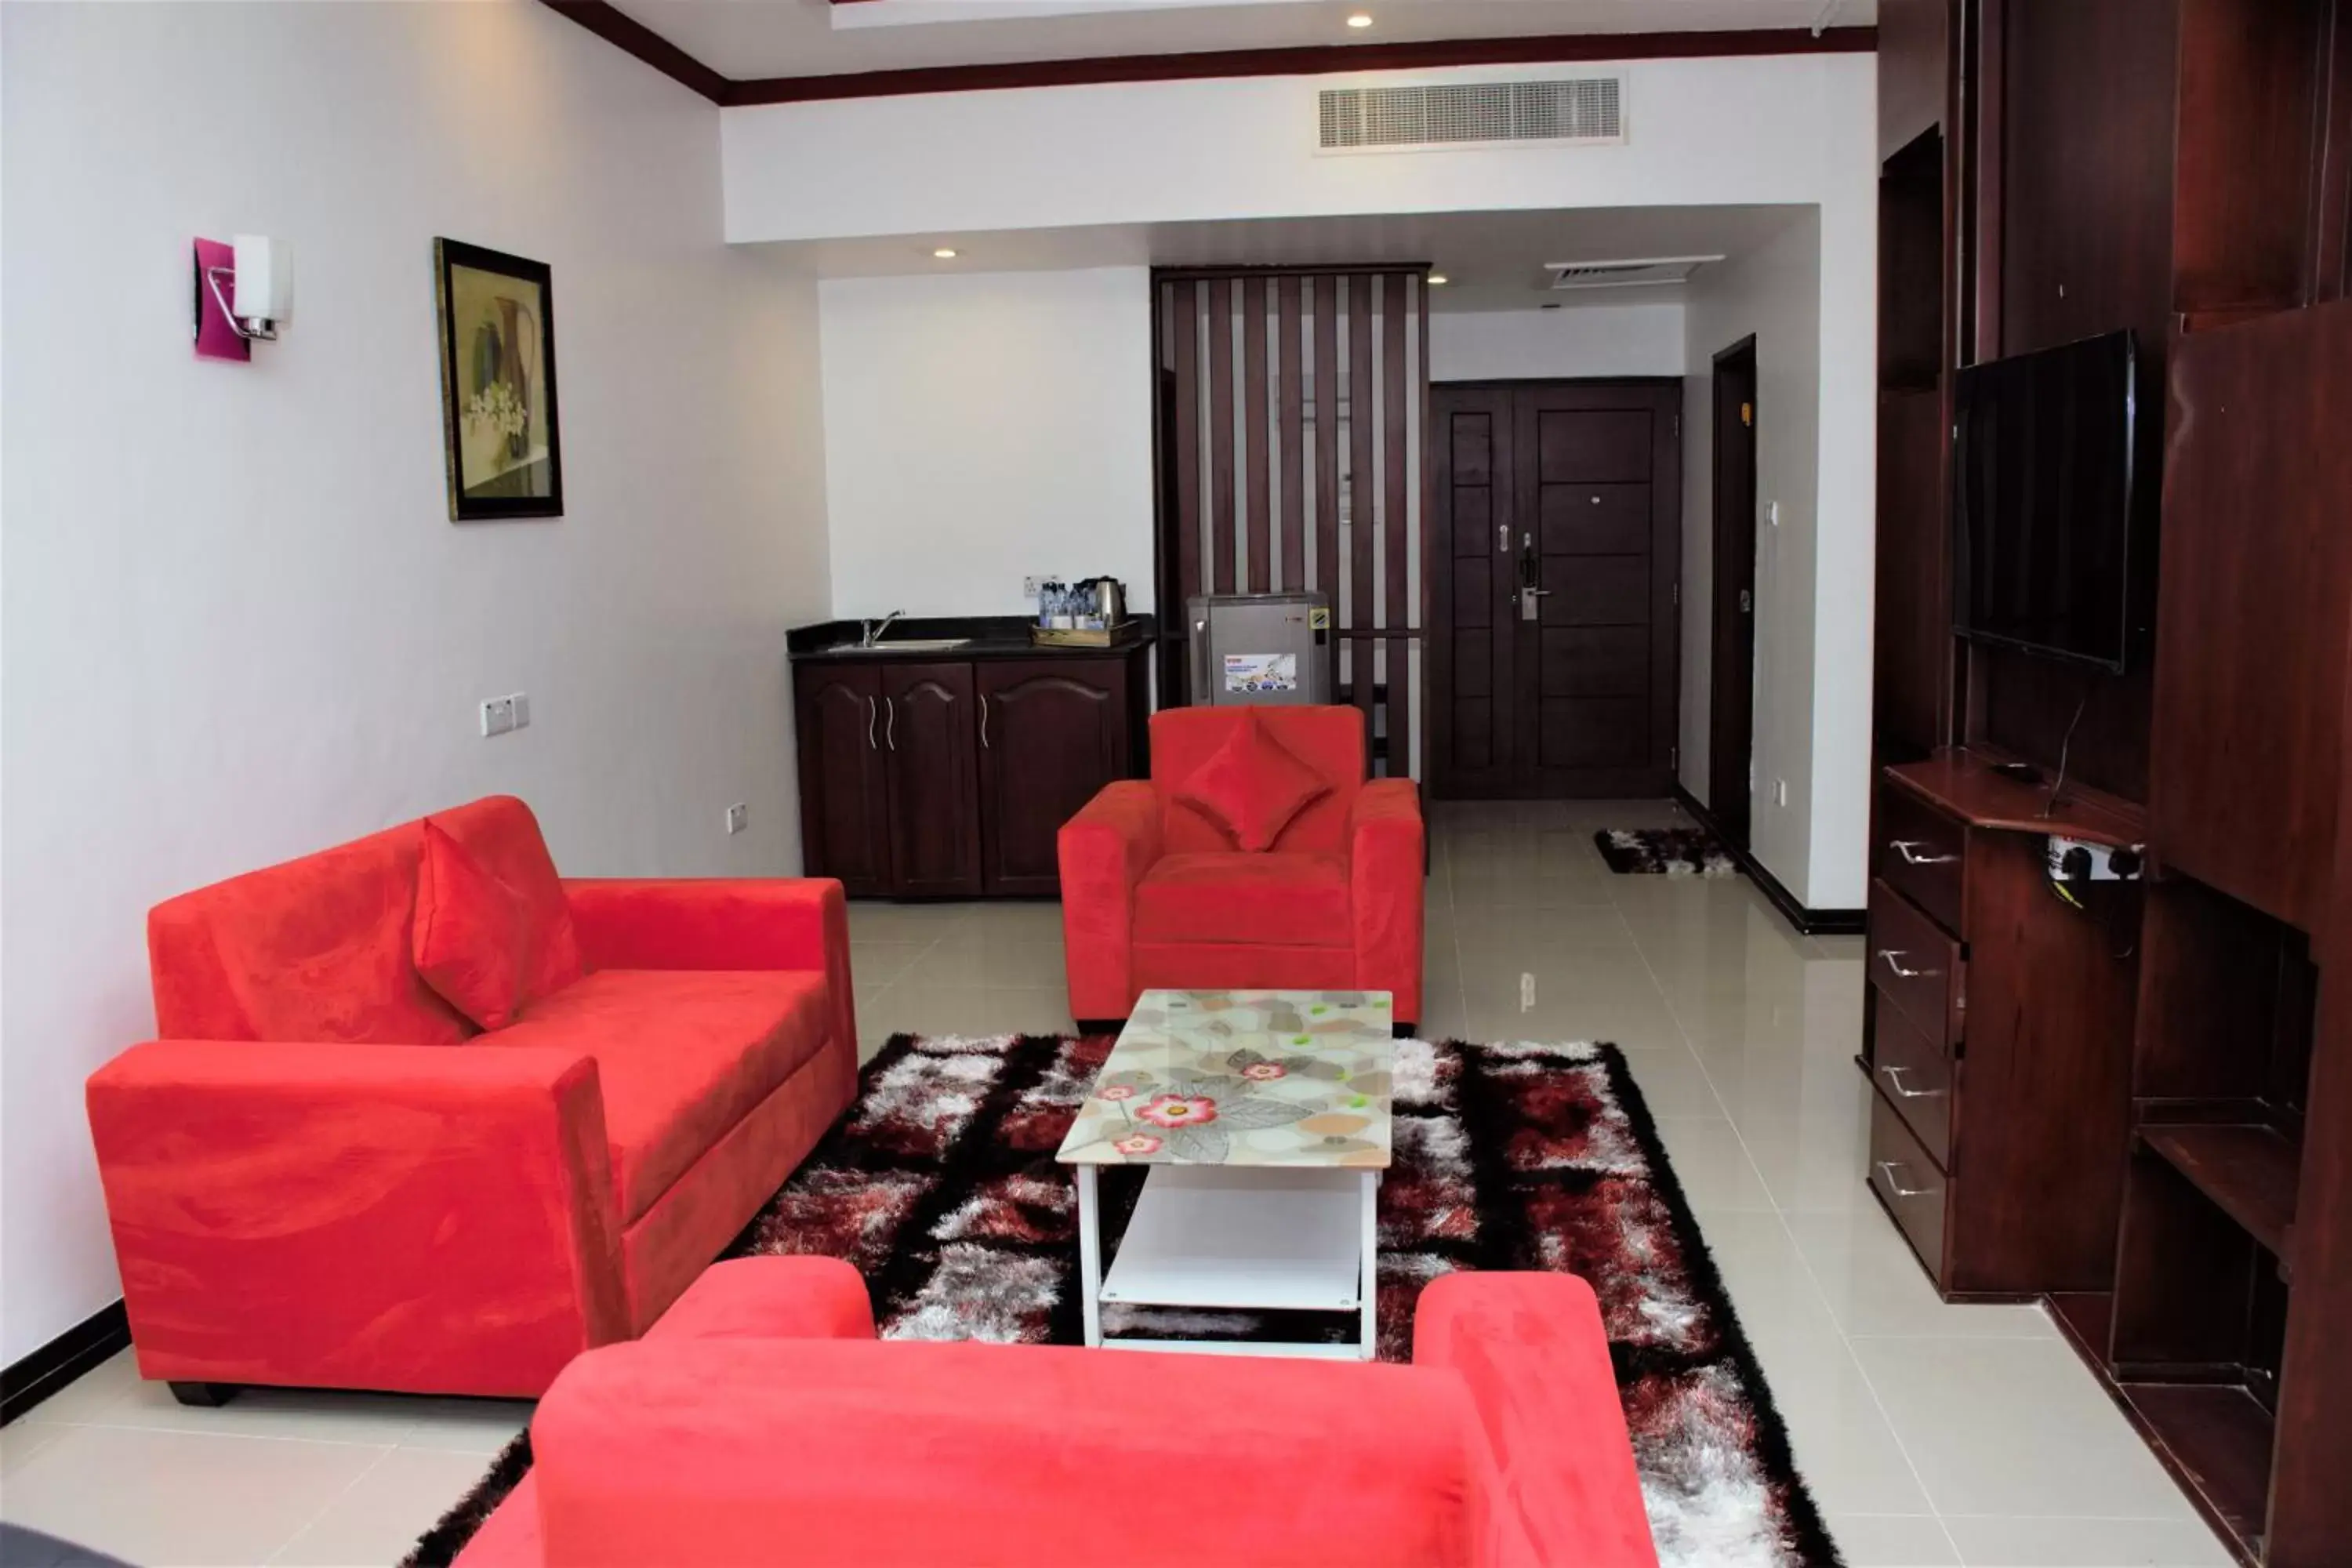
(1587, 109)
(1624, 274)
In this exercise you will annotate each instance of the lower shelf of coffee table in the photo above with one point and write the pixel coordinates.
(1268, 1238)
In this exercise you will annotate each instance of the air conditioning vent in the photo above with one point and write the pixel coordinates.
(1588, 110)
(1624, 274)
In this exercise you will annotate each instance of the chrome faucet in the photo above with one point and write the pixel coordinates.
(871, 632)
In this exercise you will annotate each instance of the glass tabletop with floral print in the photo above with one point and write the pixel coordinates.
(1242, 1077)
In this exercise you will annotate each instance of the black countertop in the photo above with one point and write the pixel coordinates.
(991, 637)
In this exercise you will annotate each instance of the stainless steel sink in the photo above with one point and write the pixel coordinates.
(902, 645)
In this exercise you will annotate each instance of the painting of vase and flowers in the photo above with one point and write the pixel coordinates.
(497, 383)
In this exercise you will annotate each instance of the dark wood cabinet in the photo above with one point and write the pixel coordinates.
(952, 778)
(1050, 736)
(929, 722)
(844, 822)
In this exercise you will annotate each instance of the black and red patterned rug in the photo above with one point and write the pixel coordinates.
(939, 1184)
(1664, 852)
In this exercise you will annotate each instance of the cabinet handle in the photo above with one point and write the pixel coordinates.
(1909, 849)
(983, 718)
(1887, 1168)
(1895, 1081)
(890, 730)
(871, 743)
(1893, 956)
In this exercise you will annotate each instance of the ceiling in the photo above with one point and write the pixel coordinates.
(753, 38)
(1492, 260)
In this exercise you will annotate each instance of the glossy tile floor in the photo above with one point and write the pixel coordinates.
(1930, 1434)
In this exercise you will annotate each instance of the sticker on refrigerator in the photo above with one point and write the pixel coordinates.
(1261, 672)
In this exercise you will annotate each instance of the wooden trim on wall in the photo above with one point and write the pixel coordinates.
(625, 32)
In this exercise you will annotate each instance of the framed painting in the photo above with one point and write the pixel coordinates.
(503, 442)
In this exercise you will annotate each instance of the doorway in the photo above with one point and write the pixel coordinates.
(1731, 681)
(1555, 558)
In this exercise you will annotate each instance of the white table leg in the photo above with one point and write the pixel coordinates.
(1089, 1254)
(1371, 1285)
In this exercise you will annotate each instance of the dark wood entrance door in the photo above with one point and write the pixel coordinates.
(1557, 553)
(1731, 682)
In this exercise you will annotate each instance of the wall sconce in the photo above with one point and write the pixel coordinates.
(243, 291)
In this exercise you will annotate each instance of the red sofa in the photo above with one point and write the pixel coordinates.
(761, 1424)
(1163, 886)
(324, 1175)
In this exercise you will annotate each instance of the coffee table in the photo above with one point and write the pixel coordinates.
(1264, 1116)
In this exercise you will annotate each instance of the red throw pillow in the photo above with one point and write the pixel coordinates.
(471, 932)
(1253, 786)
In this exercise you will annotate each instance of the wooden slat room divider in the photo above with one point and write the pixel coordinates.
(1293, 406)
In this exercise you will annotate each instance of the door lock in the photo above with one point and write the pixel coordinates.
(1528, 609)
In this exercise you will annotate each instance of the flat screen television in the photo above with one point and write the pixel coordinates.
(2048, 459)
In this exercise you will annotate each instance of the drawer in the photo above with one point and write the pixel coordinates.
(1918, 854)
(1914, 965)
(1908, 1184)
(1915, 1072)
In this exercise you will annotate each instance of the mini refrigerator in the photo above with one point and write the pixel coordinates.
(1261, 648)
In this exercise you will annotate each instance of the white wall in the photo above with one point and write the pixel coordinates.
(238, 624)
(1812, 570)
(984, 428)
(1574, 341)
(1758, 129)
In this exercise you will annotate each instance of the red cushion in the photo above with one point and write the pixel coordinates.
(469, 934)
(315, 949)
(1252, 786)
(503, 837)
(1275, 899)
(683, 1056)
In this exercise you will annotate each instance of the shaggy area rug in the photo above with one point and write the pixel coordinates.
(939, 1184)
(1664, 852)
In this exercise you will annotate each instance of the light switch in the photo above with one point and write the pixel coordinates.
(739, 817)
(498, 715)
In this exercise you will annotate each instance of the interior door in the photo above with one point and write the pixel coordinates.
(1051, 734)
(1473, 593)
(930, 725)
(1731, 682)
(1557, 554)
(844, 822)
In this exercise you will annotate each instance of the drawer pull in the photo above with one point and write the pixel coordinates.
(1887, 1168)
(1893, 956)
(1909, 849)
(1895, 1081)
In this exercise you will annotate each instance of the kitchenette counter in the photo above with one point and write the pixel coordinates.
(947, 637)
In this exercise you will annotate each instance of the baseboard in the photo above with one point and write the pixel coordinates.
(1811, 921)
(26, 1382)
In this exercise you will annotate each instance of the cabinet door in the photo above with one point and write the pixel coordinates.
(1053, 732)
(929, 729)
(845, 821)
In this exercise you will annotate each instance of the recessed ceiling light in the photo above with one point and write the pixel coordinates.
(1437, 280)
(1360, 19)
(945, 253)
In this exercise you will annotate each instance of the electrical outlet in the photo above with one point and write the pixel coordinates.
(739, 817)
(1030, 587)
(498, 715)
(521, 700)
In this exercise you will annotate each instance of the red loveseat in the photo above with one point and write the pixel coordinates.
(324, 1175)
(761, 1424)
(1164, 885)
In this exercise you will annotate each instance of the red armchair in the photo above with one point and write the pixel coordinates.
(760, 1423)
(325, 1174)
(1157, 892)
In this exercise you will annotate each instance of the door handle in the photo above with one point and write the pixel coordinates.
(1528, 609)
(1887, 1168)
(983, 718)
(871, 743)
(1893, 956)
(1895, 1081)
(890, 730)
(1909, 849)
